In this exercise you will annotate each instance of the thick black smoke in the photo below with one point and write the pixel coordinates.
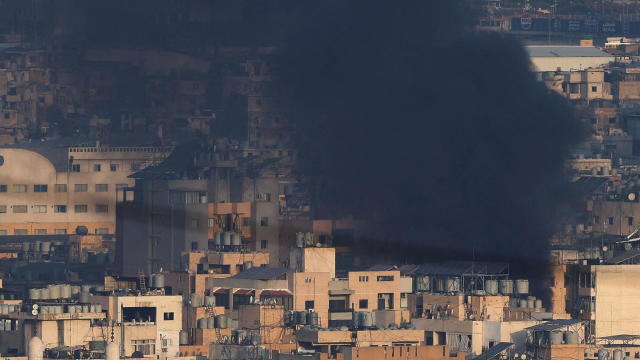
(440, 135)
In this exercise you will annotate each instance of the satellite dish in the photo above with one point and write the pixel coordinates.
(34, 312)
(631, 196)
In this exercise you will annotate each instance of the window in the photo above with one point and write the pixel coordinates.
(3, 232)
(60, 231)
(264, 221)
(3, 209)
(211, 223)
(263, 244)
(102, 187)
(121, 186)
(166, 342)
(363, 304)
(97, 167)
(630, 220)
(102, 208)
(3, 188)
(40, 209)
(195, 223)
(102, 231)
(308, 305)
(75, 168)
(612, 120)
(80, 187)
(60, 187)
(194, 245)
(59, 208)
(19, 188)
(594, 89)
(246, 221)
(146, 347)
(168, 316)
(40, 231)
(40, 188)
(574, 88)
(385, 278)
(596, 219)
(611, 220)
(19, 209)
(81, 208)
(364, 278)
(19, 231)
(113, 167)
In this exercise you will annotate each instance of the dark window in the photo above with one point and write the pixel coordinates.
(168, 316)
(3, 188)
(574, 88)
(596, 220)
(611, 220)
(81, 208)
(246, 221)
(385, 278)
(60, 208)
(113, 167)
(40, 188)
(263, 244)
(308, 305)
(594, 89)
(612, 120)
(364, 304)
(264, 221)
(6, 115)
(97, 167)
(75, 168)
(630, 220)
(194, 245)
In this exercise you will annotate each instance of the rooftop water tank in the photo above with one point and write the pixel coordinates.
(211, 323)
(226, 238)
(423, 283)
(84, 297)
(160, 281)
(308, 239)
(300, 318)
(202, 323)
(300, 239)
(221, 321)
(209, 301)
(453, 284)
(312, 318)
(35, 349)
(603, 354)
(184, 337)
(571, 337)
(617, 354)
(531, 303)
(538, 304)
(195, 300)
(523, 303)
(491, 287)
(217, 239)
(112, 351)
(34, 294)
(556, 337)
(44, 294)
(54, 292)
(236, 240)
(506, 287)
(45, 247)
(522, 286)
(65, 291)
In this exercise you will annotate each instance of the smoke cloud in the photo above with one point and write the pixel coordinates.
(438, 134)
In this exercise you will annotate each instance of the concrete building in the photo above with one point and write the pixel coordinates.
(149, 323)
(566, 58)
(47, 188)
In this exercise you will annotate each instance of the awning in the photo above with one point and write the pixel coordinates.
(245, 292)
(221, 291)
(276, 293)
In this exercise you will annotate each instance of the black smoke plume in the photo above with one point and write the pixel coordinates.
(438, 134)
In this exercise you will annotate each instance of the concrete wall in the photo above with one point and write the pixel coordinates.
(617, 291)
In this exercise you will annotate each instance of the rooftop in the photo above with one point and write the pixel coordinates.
(260, 273)
(565, 51)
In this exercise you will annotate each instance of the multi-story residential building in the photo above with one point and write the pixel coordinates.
(52, 188)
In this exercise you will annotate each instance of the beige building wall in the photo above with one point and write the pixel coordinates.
(312, 287)
(617, 290)
(313, 259)
(368, 285)
(93, 188)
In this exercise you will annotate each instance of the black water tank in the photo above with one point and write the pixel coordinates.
(82, 230)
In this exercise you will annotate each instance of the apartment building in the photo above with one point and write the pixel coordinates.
(52, 188)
